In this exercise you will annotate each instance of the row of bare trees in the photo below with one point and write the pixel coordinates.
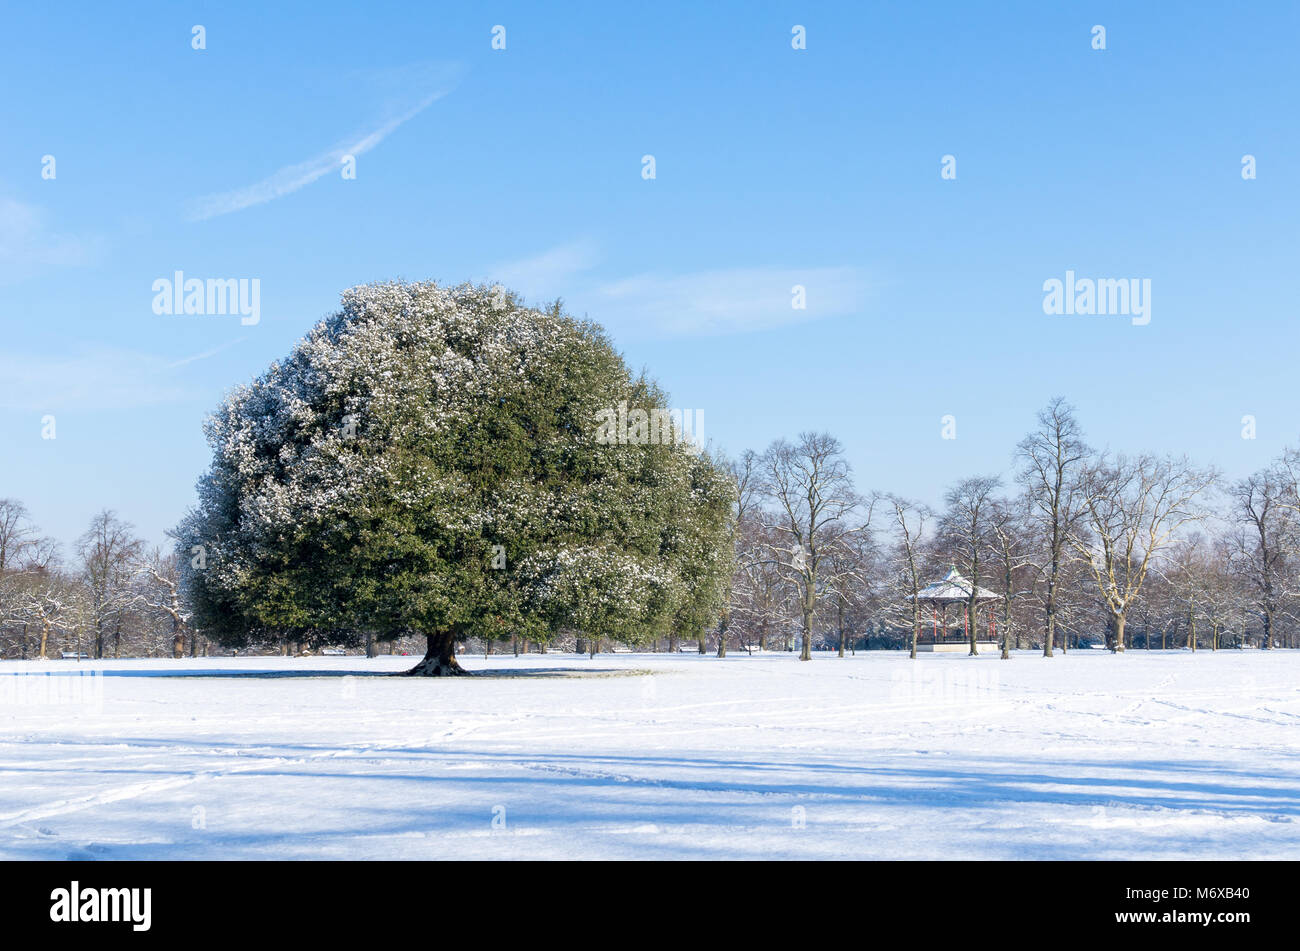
(113, 598)
(1082, 546)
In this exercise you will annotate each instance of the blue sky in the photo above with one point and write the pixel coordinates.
(773, 167)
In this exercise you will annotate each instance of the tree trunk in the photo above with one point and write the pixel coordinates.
(45, 637)
(1119, 620)
(805, 652)
(916, 627)
(1049, 635)
(99, 640)
(178, 639)
(439, 657)
(722, 635)
(1006, 623)
(580, 645)
(372, 649)
(117, 642)
(972, 623)
(704, 648)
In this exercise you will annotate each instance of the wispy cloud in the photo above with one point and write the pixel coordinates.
(729, 301)
(719, 301)
(293, 177)
(29, 246)
(545, 273)
(103, 378)
(205, 354)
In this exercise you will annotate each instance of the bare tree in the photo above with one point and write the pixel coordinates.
(108, 551)
(159, 588)
(17, 533)
(744, 474)
(809, 484)
(1221, 598)
(1133, 508)
(761, 594)
(48, 600)
(848, 575)
(1009, 539)
(1260, 502)
(1051, 456)
(18, 542)
(909, 524)
(964, 530)
(1189, 569)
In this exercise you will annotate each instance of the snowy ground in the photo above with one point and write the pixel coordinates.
(1162, 755)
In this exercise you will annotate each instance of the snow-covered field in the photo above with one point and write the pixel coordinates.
(1162, 755)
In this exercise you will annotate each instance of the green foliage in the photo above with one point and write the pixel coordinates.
(373, 480)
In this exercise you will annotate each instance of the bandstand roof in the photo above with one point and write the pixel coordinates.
(954, 589)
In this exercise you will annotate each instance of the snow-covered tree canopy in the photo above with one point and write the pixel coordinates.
(426, 461)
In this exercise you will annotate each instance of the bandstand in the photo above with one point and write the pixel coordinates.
(955, 590)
